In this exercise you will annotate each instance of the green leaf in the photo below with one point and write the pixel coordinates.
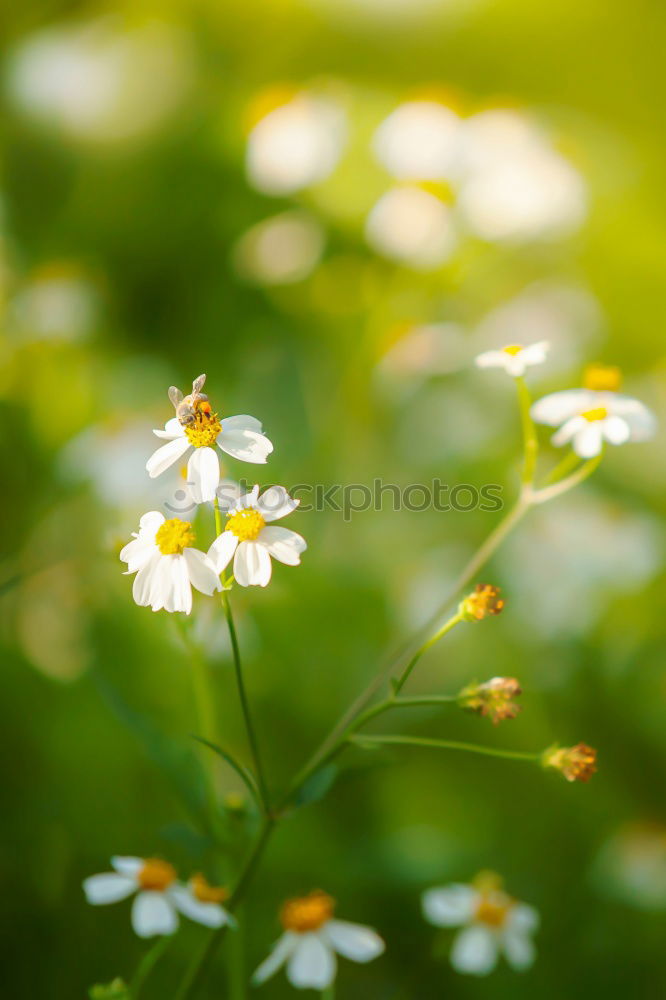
(243, 772)
(316, 787)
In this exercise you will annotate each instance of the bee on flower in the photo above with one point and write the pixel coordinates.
(251, 539)
(515, 359)
(492, 923)
(577, 763)
(595, 414)
(158, 895)
(312, 938)
(167, 565)
(196, 426)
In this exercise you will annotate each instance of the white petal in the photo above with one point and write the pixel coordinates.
(228, 494)
(202, 571)
(242, 422)
(150, 523)
(108, 888)
(165, 456)
(152, 914)
(244, 444)
(312, 964)
(172, 429)
(450, 906)
(535, 354)
(176, 594)
(616, 430)
(589, 441)
(248, 499)
(252, 565)
(222, 550)
(208, 914)
(474, 951)
(641, 420)
(560, 406)
(568, 430)
(203, 474)
(282, 544)
(137, 553)
(144, 579)
(275, 503)
(519, 949)
(523, 918)
(516, 364)
(492, 359)
(360, 944)
(127, 865)
(281, 952)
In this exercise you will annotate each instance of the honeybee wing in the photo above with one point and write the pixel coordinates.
(198, 385)
(175, 395)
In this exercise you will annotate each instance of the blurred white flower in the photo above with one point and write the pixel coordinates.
(281, 250)
(515, 359)
(588, 417)
(240, 436)
(632, 866)
(159, 895)
(493, 923)
(412, 226)
(166, 564)
(99, 81)
(426, 349)
(311, 940)
(250, 539)
(296, 145)
(515, 186)
(420, 140)
(58, 303)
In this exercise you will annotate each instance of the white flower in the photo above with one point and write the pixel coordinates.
(240, 436)
(515, 358)
(310, 942)
(492, 923)
(166, 565)
(252, 540)
(159, 895)
(588, 417)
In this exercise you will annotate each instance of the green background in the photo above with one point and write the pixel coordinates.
(98, 710)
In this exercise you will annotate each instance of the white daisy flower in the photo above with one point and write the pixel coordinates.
(311, 940)
(492, 923)
(515, 358)
(588, 417)
(251, 539)
(159, 895)
(166, 565)
(201, 429)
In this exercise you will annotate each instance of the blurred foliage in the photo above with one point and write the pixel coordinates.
(121, 274)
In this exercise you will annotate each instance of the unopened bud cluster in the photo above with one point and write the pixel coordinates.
(484, 600)
(494, 698)
(577, 763)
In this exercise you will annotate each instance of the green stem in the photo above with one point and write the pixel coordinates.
(418, 741)
(245, 705)
(564, 485)
(146, 966)
(563, 468)
(329, 992)
(530, 440)
(446, 627)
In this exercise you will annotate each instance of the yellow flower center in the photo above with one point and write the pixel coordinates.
(174, 536)
(156, 875)
(308, 913)
(207, 893)
(597, 413)
(513, 349)
(491, 912)
(203, 430)
(602, 378)
(245, 524)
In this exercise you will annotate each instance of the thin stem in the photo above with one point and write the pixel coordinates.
(530, 440)
(245, 705)
(446, 627)
(146, 966)
(563, 468)
(564, 485)
(199, 967)
(419, 741)
(329, 992)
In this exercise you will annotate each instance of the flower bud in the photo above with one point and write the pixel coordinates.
(493, 699)
(576, 763)
(483, 601)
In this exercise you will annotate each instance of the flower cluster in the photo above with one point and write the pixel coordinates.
(493, 699)
(577, 763)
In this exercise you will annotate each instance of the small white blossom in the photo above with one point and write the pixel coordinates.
(515, 359)
(492, 923)
(166, 564)
(311, 940)
(159, 895)
(588, 417)
(251, 539)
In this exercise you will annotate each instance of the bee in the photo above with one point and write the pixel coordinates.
(189, 407)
